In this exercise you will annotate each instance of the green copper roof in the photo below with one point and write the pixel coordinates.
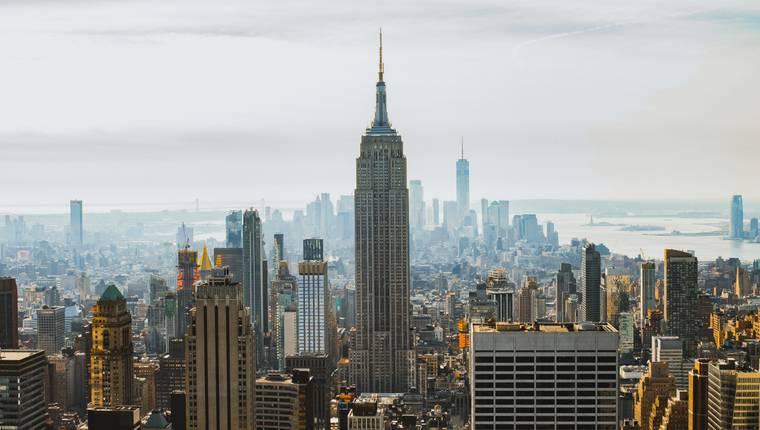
(111, 294)
(157, 420)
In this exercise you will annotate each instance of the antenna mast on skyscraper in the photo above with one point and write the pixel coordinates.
(462, 147)
(381, 67)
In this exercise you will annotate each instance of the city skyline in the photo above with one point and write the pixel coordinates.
(560, 72)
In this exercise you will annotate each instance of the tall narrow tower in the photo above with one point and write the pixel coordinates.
(77, 230)
(111, 369)
(463, 185)
(383, 359)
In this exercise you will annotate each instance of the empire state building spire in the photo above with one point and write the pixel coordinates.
(381, 125)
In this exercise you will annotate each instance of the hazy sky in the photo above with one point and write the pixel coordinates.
(166, 101)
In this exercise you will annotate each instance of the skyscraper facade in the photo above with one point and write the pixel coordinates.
(234, 225)
(566, 286)
(590, 289)
(254, 289)
(463, 186)
(681, 296)
(647, 283)
(383, 359)
(416, 204)
(22, 390)
(187, 274)
(736, 222)
(111, 371)
(312, 302)
(220, 357)
(543, 376)
(76, 223)
(436, 212)
(51, 329)
(8, 313)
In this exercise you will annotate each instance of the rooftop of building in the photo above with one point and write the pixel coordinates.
(542, 327)
(17, 354)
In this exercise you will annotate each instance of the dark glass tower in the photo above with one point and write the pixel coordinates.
(591, 282)
(383, 359)
(255, 291)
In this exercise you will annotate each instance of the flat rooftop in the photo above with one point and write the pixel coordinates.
(542, 327)
(17, 354)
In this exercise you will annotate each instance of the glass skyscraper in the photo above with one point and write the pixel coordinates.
(736, 222)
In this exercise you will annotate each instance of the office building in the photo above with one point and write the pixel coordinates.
(111, 371)
(675, 416)
(366, 415)
(254, 285)
(51, 329)
(279, 249)
(681, 297)
(76, 224)
(669, 349)
(654, 389)
(505, 303)
(698, 394)
(647, 284)
(8, 313)
(733, 397)
(565, 287)
(234, 229)
(742, 285)
(626, 328)
(283, 401)
(436, 212)
(313, 301)
(22, 390)
(220, 358)
(171, 373)
(526, 301)
(463, 185)
(320, 368)
(543, 375)
(450, 215)
(231, 258)
(187, 275)
(736, 221)
(416, 204)
(383, 359)
(590, 285)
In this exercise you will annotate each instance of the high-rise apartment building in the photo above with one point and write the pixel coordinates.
(698, 394)
(22, 390)
(234, 227)
(669, 349)
(313, 302)
(654, 389)
(111, 371)
(590, 285)
(736, 222)
(220, 357)
(8, 313)
(51, 323)
(565, 287)
(647, 285)
(416, 204)
(733, 397)
(526, 301)
(171, 373)
(383, 359)
(463, 185)
(681, 297)
(76, 224)
(543, 376)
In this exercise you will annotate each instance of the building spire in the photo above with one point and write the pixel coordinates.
(462, 147)
(381, 125)
(381, 67)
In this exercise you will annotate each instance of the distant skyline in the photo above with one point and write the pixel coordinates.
(135, 102)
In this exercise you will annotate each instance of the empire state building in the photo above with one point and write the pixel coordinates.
(382, 358)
